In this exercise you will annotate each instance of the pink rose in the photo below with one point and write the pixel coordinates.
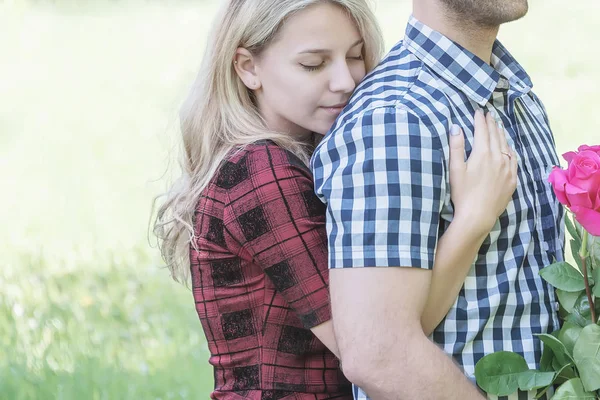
(578, 187)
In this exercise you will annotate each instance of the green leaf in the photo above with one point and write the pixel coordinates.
(563, 276)
(498, 373)
(590, 273)
(546, 361)
(565, 373)
(573, 390)
(567, 299)
(572, 231)
(581, 314)
(534, 379)
(560, 351)
(594, 247)
(587, 357)
(575, 252)
(569, 334)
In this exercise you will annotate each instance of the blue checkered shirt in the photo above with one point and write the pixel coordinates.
(383, 172)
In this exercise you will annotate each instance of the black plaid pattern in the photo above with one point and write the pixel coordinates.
(226, 272)
(294, 340)
(282, 276)
(215, 231)
(253, 223)
(232, 174)
(313, 205)
(274, 395)
(246, 377)
(238, 324)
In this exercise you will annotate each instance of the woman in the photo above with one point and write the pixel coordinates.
(244, 216)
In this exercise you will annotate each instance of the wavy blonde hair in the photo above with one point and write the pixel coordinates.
(220, 114)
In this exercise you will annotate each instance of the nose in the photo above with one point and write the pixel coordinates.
(341, 80)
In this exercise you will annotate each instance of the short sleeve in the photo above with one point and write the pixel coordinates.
(280, 224)
(381, 175)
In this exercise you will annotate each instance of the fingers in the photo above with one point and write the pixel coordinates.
(502, 137)
(514, 165)
(507, 153)
(457, 151)
(495, 143)
(481, 143)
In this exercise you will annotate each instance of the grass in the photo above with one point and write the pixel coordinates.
(88, 115)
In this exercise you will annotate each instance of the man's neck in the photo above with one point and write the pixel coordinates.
(478, 40)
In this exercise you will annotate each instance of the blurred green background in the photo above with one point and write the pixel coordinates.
(89, 97)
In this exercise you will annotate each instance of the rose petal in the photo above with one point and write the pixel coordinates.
(589, 219)
(558, 179)
(585, 147)
(569, 156)
(577, 196)
(591, 155)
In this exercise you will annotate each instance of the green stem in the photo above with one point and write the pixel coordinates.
(583, 250)
(583, 254)
(542, 393)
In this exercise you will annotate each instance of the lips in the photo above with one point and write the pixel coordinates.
(341, 105)
(335, 109)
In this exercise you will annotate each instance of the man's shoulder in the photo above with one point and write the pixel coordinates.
(388, 83)
(401, 83)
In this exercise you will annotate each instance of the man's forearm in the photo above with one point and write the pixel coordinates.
(382, 345)
(420, 370)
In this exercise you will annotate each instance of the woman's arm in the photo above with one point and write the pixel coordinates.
(325, 334)
(481, 188)
(456, 250)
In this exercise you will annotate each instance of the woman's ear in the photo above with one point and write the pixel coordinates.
(245, 67)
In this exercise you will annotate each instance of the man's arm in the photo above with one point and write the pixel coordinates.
(382, 346)
(382, 175)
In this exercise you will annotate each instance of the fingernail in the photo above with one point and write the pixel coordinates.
(500, 125)
(454, 130)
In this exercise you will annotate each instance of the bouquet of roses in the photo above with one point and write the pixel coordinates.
(571, 356)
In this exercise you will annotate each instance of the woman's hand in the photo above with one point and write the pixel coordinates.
(482, 186)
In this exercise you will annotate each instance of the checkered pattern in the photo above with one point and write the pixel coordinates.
(383, 172)
(260, 280)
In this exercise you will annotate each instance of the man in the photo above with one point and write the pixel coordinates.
(382, 170)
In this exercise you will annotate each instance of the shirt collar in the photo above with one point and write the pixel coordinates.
(460, 67)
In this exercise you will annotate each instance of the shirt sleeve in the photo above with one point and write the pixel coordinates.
(279, 224)
(381, 175)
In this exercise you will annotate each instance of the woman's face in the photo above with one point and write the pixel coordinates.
(306, 76)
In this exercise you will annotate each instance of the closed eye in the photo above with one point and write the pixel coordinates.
(312, 67)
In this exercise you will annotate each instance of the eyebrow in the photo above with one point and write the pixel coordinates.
(318, 51)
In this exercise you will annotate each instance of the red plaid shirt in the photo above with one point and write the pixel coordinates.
(260, 279)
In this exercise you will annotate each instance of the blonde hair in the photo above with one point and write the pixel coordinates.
(220, 115)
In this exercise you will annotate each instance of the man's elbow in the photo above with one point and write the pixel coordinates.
(367, 365)
(359, 369)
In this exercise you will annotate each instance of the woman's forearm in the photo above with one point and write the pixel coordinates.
(456, 251)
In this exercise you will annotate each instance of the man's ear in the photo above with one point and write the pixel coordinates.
(245, 67)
